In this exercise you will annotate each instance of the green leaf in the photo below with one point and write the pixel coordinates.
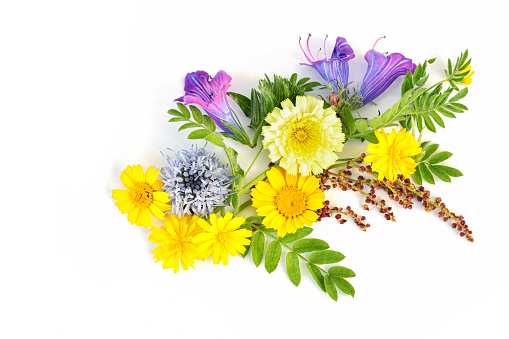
(371, 137)
(243, 102)
(272, 256)
(257, 247)
(347, 120)
(439, 157)
(344, 286)
(440, 174)
(330, 287)
(460, 95)
(361, 125)
(429, 151)
(299, 234)
(341, 272)
(429, 124)
(198, 134)
(189, 125)
(309, 245)
(317, 275)
(437, 118)
(183, 109)
(426, 174)
(234, 197)
(174, 112)
(326, 257)
(375, 122)
(451, 171)
(216, 139)
(178, 119)
(417, 176)
(293, 268)
(197, 115)
(209, 123)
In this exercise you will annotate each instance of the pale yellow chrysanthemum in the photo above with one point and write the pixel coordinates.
(287, 201)
(177, 241)
(222, 236)
(393, 154)
(304, 136)
(142, 196)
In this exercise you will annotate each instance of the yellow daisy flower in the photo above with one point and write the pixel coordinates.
(142, 196)
(177, 241)
(287, 201)
(222, 236)
(393, 153)
(304, 136)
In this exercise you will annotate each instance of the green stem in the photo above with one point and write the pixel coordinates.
(284, 245)
(261, 176)
(252, 163)
(242, 207)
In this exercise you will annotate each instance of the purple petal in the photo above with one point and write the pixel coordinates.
(342, 50)
(381, 73)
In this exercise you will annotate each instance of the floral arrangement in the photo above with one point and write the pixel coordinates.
(198, 199)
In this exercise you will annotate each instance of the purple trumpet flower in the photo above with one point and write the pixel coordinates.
(334, 70)
(210, 94)
(381, 73)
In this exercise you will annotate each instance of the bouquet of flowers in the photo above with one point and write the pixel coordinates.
(198, 199)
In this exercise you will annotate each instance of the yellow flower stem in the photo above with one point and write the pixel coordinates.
(343, 164)
(264, 231)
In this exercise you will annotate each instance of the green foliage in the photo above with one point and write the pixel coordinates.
(206, 128)
(319, 254)
(456, 74)
(428, 165)
(269, 95)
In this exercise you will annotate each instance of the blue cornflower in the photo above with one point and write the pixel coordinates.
(196, 182)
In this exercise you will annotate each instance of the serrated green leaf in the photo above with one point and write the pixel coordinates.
(272, 256)
(439, 157)
(344, 286)
(177, 119)
(341, 272)
(426, 174)
(243, 102)
(451, 171)
(189, 125)
(309, 245)
(293, 268)
(330, 287)
(174, 112)
(299, 234)
(439, 173)
(326, 257)
(197, 115)
(257, 247)
(198, 134)
(361, 125)
(317, 275)
(183, 109)
(429, 150)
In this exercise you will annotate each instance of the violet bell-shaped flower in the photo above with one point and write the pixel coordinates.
(381, 73)
(334, 70)
(210, 95)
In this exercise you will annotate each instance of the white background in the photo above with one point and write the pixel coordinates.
(84, 90)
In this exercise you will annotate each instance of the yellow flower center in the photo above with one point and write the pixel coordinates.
(301, 134)
(142, 195)
(291, 202)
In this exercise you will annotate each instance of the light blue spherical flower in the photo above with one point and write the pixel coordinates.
(196, 182)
